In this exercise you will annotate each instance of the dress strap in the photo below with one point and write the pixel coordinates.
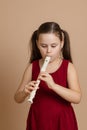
(35, 69)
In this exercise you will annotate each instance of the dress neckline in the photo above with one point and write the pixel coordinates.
(55, 70)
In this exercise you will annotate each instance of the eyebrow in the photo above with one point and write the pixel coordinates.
(51, 43)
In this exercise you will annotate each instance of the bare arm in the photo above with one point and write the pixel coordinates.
(26, 85)
(71, 94)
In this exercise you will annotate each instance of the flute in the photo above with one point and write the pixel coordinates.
(43, 68)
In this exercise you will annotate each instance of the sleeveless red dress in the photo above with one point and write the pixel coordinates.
(49, 111)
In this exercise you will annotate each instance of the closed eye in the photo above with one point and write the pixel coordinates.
(43, 45)
(53, 46)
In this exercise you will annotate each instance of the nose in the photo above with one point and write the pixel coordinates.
(48, 49)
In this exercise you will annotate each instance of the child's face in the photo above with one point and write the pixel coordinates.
(49, 45)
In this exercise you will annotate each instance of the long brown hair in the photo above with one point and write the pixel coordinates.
(50, 27)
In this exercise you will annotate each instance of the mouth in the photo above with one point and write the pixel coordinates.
(48, 56)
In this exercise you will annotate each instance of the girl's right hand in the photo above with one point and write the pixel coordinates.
(29, 87)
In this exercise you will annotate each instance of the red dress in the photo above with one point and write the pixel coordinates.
(49, 111)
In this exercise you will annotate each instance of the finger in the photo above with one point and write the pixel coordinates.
(44, 75)
(32, 84)
(28, 89)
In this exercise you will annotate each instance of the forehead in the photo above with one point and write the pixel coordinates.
(50, 37)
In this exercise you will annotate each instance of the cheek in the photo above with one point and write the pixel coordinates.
(57, 50)
(43, 52)
(43, 49)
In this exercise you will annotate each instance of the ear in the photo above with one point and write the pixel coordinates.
(62, 42)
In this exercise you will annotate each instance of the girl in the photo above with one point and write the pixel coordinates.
(59, 86)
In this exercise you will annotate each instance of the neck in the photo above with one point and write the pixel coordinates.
(53, 65)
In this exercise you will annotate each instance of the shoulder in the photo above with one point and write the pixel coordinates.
(71, 69)
(28, 69)
(69, 64)
(30, 65)
(72, 72)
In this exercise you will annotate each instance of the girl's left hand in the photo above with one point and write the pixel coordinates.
(46, 77)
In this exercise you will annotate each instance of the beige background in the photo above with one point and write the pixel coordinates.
(18, 19)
